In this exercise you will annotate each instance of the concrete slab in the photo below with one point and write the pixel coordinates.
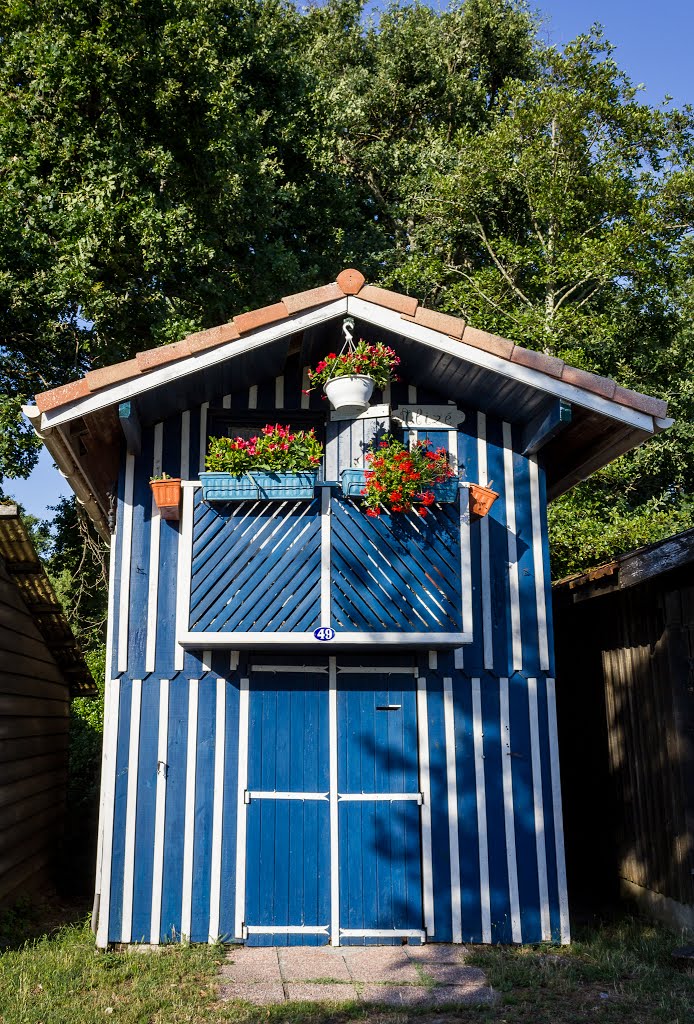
(396, 995)
(306, 992)
(297, 963)
(381, 964)
(454, 974)
(252, 966)
(456, 994)
(263, 994)
(436, 953)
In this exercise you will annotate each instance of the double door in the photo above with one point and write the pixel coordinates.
(332, 807)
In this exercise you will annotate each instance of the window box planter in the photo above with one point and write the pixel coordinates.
(167, 497)
(353, 482)
(258, 486)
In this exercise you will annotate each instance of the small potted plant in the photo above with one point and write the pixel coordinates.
(167, 495)
(349, 378)
(278, 463)
(398, 477)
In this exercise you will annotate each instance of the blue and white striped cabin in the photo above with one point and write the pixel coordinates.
(399, 782)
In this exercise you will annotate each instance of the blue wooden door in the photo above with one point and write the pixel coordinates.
(379, 799)
(288, 821)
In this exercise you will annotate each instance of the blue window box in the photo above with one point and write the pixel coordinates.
(254, 486)
(354, 481)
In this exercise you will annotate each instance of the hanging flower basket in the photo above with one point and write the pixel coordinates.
(258, 486)
(349, 393)
(276, 465)
(481, 499)
(167, 496)
(350, 376)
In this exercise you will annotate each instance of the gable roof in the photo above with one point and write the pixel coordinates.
(468, 364)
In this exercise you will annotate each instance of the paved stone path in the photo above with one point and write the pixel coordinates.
(430, 975)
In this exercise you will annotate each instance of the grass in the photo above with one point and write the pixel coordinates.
(618, 973)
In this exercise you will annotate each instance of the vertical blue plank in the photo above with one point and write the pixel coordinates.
(168, 559)
(547, 803)
(117, 554)
(438, 782)
(468, 838)
(204, 802)
(119, 812)
(498, 551)
(174, 824)
(146, 807)
(526, 565)
(496, 833)
(139, 558)
(231, 761)
(548, 575)
(468, 469)
(524, 810)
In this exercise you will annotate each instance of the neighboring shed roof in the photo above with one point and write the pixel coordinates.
(469, 365)
(632, 568)
(24, 567)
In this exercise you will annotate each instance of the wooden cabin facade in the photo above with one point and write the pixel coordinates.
(398, 781)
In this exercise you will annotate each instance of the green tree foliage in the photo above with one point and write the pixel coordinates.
(167, 163)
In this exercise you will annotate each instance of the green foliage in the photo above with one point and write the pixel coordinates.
(276, 449)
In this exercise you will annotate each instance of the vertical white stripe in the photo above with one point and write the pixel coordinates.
(325, 557)
(452, 782)
(109, 791)
(386, 394)
(564, 929)
(305, 385)
(185, 444)
(279, 392)
(179, 653)
(185, 568)
(107, 711)
(131, 813)
(411, 392)
(218, 811)
(425, 787)
(539, 564)
(514, 593)
(539, 811)
(253, 396)
(478, 743)
(453, 450)
(433, 660)
(203, 435)
(334, 826)
(160, 812)
(154, 534)
(189, 819)
(126, 551)
(242, 786)
(483, 475)
(207, 661)
(226, 402)
(509, 821)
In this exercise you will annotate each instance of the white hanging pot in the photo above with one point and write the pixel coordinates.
(349, 393)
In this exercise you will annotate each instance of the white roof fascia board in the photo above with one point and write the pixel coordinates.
(116, 393)
(392, 321)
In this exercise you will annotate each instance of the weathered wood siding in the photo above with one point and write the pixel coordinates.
(626, 713)
(34, 709)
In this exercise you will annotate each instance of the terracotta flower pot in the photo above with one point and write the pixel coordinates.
(481, 499)
(167, 496)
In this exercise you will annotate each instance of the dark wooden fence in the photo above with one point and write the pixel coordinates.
(625, 689)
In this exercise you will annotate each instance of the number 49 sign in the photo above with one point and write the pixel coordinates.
(324, 633)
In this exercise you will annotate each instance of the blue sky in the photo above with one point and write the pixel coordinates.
(654, 43)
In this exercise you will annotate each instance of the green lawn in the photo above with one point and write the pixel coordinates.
(620, 972)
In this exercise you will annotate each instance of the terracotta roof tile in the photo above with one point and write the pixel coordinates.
(260, 317)
(350, 281)
(537, 361)
(314, 297)
(488, 342)
(212, 337)
(602, 386)
(62, 395)
(153, 357)
(435, 321)
(642, 403)
(97, 379)
(391, 300)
